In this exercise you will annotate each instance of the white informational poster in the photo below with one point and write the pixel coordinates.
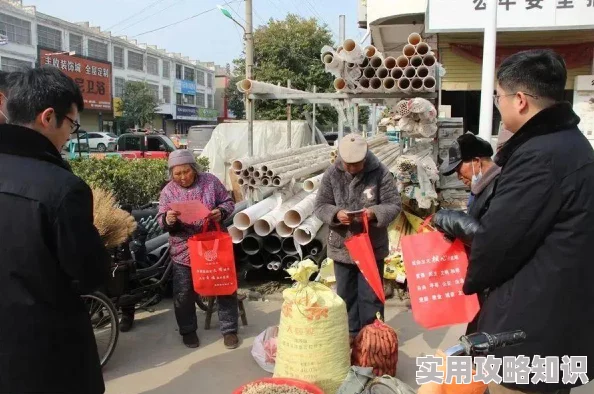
(512, 15)
(583, 104)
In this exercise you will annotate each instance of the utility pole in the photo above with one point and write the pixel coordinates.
(488, 77)
(341, 39)
(249, 65)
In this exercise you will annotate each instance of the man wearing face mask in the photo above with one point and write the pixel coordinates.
(50, 252)
(470, 158)
(357, 181)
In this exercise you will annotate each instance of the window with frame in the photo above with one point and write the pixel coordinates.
(189, 99)
(120, 84)
(97, 50)
(9, 65)
(15, 29)
(200, 99)
(167, 94)
(166, 69)
(152, 65)
(189, 74)
(210, 80)
(200, 78)
(154, 90)
(132, 143)
(135, 61)
(179, 71)
(179, 99)
(76, 43)
(49, 38)
(118, 57)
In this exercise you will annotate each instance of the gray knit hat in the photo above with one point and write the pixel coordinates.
(180, 157)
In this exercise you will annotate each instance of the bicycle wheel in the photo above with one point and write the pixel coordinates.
(104, 319)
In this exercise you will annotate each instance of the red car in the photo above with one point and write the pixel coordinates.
(145, 146)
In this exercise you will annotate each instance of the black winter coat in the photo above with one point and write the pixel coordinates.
(50, 253)
(533, 249)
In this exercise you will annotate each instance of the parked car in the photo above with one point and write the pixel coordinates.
(145, 146)
(100, 141)
(198, 137)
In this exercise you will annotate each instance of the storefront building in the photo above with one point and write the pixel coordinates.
(454, 30)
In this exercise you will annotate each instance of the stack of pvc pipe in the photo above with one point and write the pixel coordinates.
(279, 169)
(280, 230)
(366, 69)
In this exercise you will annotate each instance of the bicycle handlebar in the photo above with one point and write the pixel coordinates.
(481, 343)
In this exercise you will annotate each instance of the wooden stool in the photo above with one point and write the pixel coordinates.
(210, 311)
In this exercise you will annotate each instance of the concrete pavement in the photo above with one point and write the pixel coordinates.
(152, 359)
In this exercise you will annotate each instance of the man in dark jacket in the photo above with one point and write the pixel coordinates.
(357, 181)
(470, 157)
(51, 252)
(533, 249)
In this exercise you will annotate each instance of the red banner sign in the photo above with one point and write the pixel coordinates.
(575, 55)
(93, 77)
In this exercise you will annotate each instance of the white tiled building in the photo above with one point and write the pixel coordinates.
(184, 87)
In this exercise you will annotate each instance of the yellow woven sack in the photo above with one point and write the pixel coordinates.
(313, 336)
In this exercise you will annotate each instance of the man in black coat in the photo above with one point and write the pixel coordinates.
(533, 248)
(50, 251)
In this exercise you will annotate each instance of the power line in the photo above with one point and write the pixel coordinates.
(151, 15)
(180, 21)
(134, 15)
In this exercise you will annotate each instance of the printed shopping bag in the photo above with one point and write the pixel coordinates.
(212, 262)
(435, 271)
(361, 251)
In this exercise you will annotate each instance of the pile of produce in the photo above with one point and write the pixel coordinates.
(376, 346)
(272, 388)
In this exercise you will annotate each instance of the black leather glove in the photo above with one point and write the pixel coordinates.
(456, 224)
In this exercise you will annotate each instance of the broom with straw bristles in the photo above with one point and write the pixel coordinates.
(114, 224)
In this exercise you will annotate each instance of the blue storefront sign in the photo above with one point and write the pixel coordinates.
(185, 86)
(185, 113)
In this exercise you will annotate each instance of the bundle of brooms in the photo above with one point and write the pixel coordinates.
(114, 224)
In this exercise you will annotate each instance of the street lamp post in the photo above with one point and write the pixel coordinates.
(249, 64)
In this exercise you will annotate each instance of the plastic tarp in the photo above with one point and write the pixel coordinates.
(229, 141)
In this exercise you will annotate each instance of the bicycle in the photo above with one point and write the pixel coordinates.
(105, 322)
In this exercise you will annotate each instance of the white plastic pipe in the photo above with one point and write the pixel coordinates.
(429, 60)
(251, 86)
(389, 63)
(340, 84)
(251, 244)
(245, 162)
(409, 50)
(422, 72)
(283, 230)
(416, 61)
(267, 223)
(369, 72)
(382, 73)
(298, 213)
(414, 38)
(237, 235)
(352, 52)
(416, 84)
(375, 84)
(397, 73)
(390, 85)
(376, 61)
(364, 83)
(312, 184)
(410, 72)
(423, 48)
(404, 85)
(298, 174)
(429, 84)
(307, 230)
(402, 61)
(370, 51)
(246, 218)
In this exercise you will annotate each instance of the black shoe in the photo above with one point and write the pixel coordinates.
(126, 323)
(191, 340)
(231, 341)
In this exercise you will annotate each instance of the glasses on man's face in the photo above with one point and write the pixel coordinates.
(75, 125)
(497, 96)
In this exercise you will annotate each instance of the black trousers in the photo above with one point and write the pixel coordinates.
(361, 301)
(184, 303)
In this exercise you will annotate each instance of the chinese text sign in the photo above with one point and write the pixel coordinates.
(92, 77)
(471, 15)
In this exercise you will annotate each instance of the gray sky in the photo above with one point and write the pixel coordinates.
(208, 37)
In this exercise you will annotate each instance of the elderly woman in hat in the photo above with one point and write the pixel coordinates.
(187, 183)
